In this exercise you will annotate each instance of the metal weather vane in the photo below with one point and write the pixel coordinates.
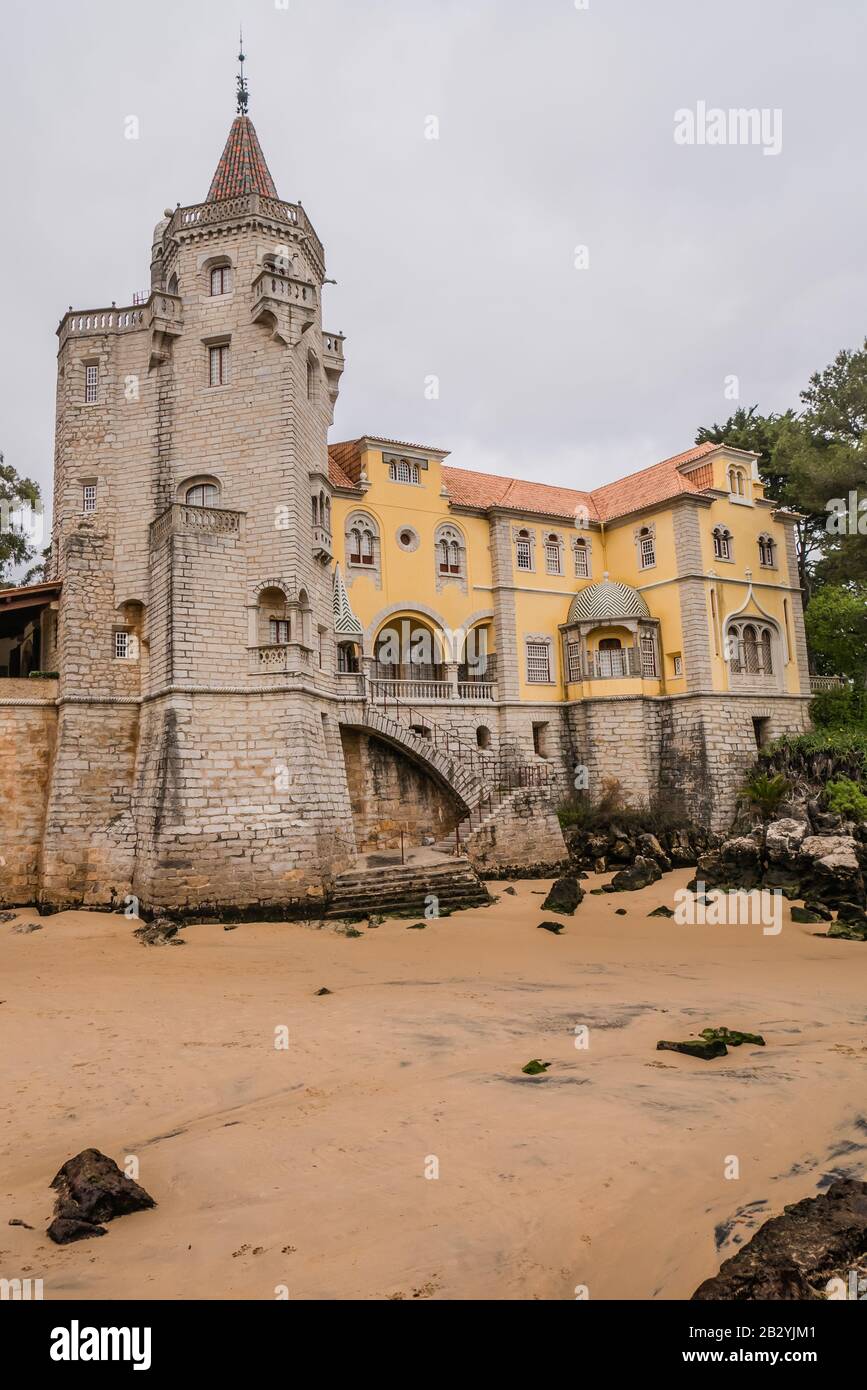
(243, 94)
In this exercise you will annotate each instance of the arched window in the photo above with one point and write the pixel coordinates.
(483, 736)
(348, 660)
(221, 279)
(722, 543)
(582, 558)
(173, 285)
(403, 471)
(203, 495)
(450, 551)
(750, 649)
(311, 376)
(646, 548)
(361, 541)
(737, 482)
(610, 658)
(767, 552)
(553, 554)
(523, 550)
(315, 509)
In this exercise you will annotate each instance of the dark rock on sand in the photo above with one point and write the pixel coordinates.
(322, 991)
(805, 914)
(848, 931)
(732, 1036)
(564, 896)
(706, 1050)
(509, 889)
(793, 1256)
(92, 1189)
(638, 875)
(65, 1229)
(161, 931)
(25, 928)
(555, 927)
(662, 911)
(535, 1067)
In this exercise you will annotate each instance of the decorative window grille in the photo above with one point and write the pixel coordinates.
(573, 654)
(648, 656)
(91, 385)
(403, 471)
(221, 279)
(538, 663)
(678, 665)
(218, 358)
(123, 645)
(523, 554)
(647, 550)
(89, 497)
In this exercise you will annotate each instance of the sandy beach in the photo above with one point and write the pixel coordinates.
(303, 1168)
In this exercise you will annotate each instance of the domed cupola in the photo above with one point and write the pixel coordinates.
(607, 601)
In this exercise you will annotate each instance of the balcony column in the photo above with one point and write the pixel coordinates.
(451, 671)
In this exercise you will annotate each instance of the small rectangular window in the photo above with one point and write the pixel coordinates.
(88, 502)
(648, 657)
(648, 552)
(538, 663)
(221, 279)
(123, 645)
(574, 655)
(582, 562)
(552, 559)
(218, 358)
(524, 555)
(279, 632)
(91, 385)
(678, 665)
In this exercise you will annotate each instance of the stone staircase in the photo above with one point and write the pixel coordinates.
(405, 888)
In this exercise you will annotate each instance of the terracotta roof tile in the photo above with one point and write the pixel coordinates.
(469, 489)
(242, 167)
(658, 483)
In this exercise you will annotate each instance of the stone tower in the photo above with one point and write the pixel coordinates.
(198, 757)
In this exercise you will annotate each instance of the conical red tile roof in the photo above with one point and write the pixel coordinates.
(242, 168)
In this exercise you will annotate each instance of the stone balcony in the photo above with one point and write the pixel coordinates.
(180, 518)
(322, 545)
(161, 313)
(284, 303)
(280, 659)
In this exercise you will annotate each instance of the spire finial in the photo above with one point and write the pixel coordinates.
(243, 94)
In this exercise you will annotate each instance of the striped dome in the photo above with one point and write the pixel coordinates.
(607, 601)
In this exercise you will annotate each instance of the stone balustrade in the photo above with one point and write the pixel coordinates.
(180, 517)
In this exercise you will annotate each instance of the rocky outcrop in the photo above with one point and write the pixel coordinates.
(615, 846)
(826, 872)
(794, 1256)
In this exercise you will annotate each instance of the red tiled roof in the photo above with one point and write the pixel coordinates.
(483, 490)
(242, 167)
(661, 482)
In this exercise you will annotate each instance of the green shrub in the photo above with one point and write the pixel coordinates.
(833, 709)
(846, 798)
(765, 791)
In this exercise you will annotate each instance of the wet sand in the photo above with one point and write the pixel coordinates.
(304, 1168)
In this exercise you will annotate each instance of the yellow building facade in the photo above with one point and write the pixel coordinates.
(648, 632)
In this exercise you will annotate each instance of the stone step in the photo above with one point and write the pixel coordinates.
(404, 888)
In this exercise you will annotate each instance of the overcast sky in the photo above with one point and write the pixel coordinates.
(455, 257)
